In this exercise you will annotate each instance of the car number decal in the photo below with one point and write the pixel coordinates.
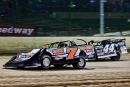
(109, 47)
(71, 52)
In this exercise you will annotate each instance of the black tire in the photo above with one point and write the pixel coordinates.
(59, 65)
(81, 64)
(46, 61)
(116, 58)
(84, 55)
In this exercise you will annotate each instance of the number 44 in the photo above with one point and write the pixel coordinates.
(109, 48)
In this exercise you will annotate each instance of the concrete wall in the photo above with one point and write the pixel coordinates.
(24, 44)
(92, 15)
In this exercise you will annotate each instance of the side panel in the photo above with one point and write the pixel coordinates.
(89, 50)
(122, 47)
(70, 53)
(64, 54)
(105, 50)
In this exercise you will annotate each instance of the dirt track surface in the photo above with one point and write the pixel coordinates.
(101, 73)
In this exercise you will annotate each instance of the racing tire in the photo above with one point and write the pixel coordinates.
(59, 65)
(116, 58)
(84, 55)
(46, 61)
(81, 64)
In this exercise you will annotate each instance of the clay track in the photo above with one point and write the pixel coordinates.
(101, 73)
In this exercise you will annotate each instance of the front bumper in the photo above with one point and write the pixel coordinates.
(21, 64)
(15, 64)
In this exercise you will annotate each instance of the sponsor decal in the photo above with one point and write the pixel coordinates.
(59, 51)
(17, 30)
(86, 47)
(58, 58)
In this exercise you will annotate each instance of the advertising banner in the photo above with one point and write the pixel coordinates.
(17, 30)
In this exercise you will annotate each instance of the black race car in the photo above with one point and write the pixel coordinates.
(112, 48)
(57, 54)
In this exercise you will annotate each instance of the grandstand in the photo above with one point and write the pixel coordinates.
(39, 13)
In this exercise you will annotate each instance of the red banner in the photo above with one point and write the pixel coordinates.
(17, 30)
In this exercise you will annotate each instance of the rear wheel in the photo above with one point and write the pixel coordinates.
(46, 61)
(81, 64)
(116, 58)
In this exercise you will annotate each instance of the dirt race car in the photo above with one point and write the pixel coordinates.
(69, 52)
(57, 54)
(109, 48)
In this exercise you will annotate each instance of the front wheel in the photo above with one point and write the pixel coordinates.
(116, 58)
(46, 61)
(81, 64)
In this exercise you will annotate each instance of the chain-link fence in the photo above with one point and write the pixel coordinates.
(63, 17)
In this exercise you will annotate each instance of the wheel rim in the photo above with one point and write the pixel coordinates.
(81, 62)
(46, 62)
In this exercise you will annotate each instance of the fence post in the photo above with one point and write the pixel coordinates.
(13, 15)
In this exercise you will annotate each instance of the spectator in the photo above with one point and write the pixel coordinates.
(81, 5)
(53, 15)
(121, 5)
(127, 6)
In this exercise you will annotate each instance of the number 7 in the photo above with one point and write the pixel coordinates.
(71, 52)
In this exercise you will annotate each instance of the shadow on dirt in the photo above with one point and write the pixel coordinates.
(106, 60)
(51, 68)
(66, 67)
